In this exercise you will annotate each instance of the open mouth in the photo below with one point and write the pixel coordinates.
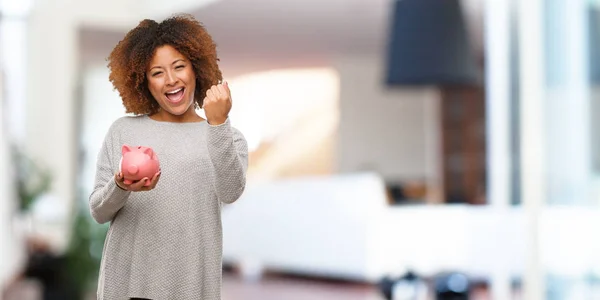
(175, 96)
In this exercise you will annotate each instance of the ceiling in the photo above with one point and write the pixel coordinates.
(263, 34)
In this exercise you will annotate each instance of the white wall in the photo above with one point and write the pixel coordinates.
(101, 106)
(391, 131)
(10, 251)
(123, 15)
(50, 125)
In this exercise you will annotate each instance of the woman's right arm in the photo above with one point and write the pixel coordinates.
(107, 198)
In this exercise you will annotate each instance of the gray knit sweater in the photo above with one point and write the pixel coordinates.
(166, 243)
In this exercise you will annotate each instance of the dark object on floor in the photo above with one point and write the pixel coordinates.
(408, 287)
(385, 286)
(452, 286)
(49, 270)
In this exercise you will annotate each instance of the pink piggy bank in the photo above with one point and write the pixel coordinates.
(137, 163)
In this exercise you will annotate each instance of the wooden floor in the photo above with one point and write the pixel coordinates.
(271, 287)
(278, 286)
(293, 288)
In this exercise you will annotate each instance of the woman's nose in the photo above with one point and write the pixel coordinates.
(171, 78)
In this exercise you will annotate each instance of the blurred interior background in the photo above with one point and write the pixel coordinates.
(399, 149)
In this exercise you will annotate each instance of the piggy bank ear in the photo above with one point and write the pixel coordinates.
(148, 151)
(125, 149)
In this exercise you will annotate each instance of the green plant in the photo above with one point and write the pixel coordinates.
(85, 250)
(32, 180)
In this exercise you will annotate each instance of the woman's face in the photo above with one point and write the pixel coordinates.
(171, 81)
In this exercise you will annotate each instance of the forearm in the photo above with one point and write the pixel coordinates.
(107, 200)
(229, 155)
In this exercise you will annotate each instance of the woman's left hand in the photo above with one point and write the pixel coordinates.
(217, 104)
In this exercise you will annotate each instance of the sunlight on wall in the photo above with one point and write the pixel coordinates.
(290, 120)
(269, 103)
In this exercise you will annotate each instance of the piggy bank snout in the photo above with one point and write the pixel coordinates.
(132, 169)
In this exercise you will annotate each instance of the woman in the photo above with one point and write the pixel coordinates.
(165, 239)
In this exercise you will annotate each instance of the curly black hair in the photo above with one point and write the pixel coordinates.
(128, 61)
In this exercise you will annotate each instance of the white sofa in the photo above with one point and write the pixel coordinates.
(342, 227)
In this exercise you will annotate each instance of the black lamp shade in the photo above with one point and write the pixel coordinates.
(429, 45)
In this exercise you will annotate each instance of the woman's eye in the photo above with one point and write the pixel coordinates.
(157, 73)
(180, 67)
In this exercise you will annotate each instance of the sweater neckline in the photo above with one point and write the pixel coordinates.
(174, 123)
